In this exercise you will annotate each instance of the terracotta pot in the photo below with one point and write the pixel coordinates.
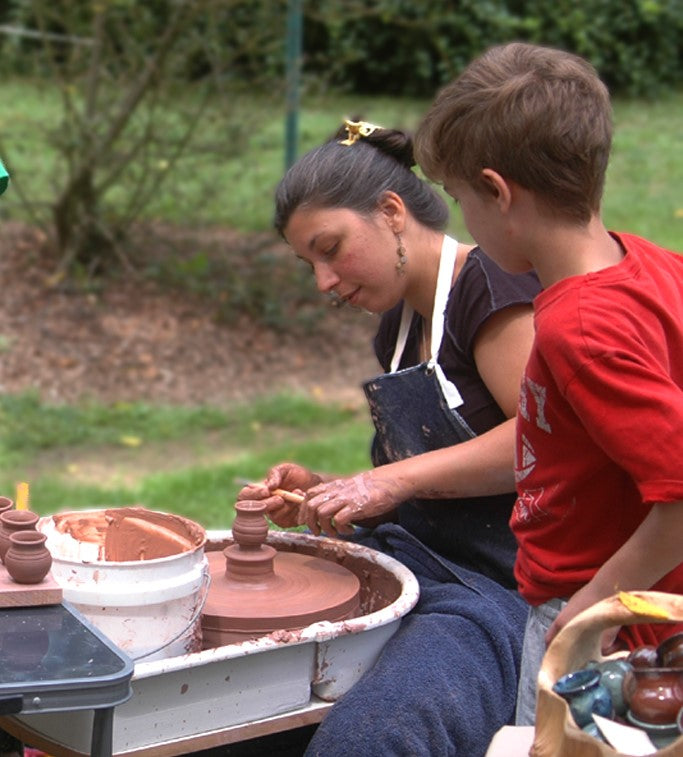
(654, 695)
(14, 520)
(28, 560)
(6, 504)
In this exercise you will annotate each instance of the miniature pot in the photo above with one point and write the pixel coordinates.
(6, 504)
(11, 521)
(612, 675)
(28, 560)
(585, 695)
(654, 695)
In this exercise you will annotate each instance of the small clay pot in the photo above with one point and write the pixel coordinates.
(585, 695)
(670, 652)
(612, 675)
(654, 695)
(6, 504)
(28, 560)
(644, 656)
(14, 520)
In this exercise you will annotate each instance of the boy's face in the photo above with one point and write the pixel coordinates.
(486, 221)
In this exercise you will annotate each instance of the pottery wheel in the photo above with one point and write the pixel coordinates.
(255, 589)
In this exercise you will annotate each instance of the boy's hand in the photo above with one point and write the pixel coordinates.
(583, 599)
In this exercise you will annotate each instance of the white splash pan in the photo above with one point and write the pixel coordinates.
(198, 695)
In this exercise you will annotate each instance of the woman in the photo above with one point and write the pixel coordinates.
(453, 340)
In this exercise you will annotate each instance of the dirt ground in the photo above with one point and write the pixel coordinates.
(132, 340)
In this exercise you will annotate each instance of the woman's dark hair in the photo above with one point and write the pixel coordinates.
(356, 177)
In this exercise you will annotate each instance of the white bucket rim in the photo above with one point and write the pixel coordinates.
(44, 520)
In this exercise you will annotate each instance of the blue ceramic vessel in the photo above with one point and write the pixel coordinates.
(585, 695)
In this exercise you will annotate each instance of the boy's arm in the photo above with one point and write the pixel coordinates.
(653, 550)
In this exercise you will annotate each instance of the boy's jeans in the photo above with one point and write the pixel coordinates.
(538, 622)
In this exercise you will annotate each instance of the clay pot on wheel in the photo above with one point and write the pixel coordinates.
(14, 520)
(28, 560)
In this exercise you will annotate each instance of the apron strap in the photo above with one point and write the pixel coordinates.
(449, 253)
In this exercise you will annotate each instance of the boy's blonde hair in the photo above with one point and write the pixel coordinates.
(537, 116)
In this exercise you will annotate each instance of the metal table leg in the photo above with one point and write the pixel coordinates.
(102, 728)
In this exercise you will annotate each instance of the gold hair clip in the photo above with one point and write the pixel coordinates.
(356, 130)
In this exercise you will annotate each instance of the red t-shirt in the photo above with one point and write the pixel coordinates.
(600, 421)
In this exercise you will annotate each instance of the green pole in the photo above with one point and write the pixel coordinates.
(293, 68)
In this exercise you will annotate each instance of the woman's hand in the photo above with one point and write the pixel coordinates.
(288, 476)
(332, 507)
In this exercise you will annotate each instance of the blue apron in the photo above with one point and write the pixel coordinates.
(414, 410)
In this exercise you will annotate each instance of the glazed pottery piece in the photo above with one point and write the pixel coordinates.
(670, 652)
(612, 674)
(661, 735)
(28, 560)
(585, 695)
(14, 520)
(654, 695)
(6, 504)
(644, 656)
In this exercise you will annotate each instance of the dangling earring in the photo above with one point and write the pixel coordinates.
(401, 253)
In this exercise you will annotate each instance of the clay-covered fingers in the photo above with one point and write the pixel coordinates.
(319, 509)
(291, 477)
(284, 515)
(254, 491)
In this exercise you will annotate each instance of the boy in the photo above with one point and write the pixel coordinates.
(521, 140)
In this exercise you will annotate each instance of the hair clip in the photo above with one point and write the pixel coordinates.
(356, 130)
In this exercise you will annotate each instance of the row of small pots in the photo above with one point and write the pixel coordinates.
(22, 547)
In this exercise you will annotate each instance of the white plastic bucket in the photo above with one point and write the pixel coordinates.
(150, 608)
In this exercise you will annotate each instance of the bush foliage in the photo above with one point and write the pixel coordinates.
(410, 48)
(400, 47)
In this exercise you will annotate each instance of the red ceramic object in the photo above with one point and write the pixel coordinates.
(11, 521)
(28, 560)
(644, 657)
(670, 651)
(6, 504)
(654, 695)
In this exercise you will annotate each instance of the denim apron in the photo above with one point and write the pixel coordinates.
(415, 410)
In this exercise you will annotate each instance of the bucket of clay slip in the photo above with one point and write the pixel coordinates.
(150, 608)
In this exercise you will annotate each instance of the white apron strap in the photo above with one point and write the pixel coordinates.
(449, 252)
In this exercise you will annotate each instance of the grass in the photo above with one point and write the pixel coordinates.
(185, 460)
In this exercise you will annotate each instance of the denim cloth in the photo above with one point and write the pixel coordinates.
(447, 680)
(538, 622)
(411, 416)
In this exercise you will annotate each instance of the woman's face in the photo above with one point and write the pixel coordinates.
(351, 255)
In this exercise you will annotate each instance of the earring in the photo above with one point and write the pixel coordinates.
(401, 253)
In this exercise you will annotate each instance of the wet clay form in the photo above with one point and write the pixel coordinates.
(12, 521)
(28, 560)
(127, 534)
(256, 590)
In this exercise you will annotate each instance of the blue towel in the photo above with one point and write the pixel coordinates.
(447, 680)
